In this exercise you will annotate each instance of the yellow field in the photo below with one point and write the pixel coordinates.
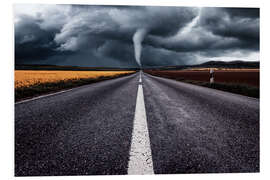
(27, 78)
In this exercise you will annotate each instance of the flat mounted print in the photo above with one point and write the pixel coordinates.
(120, 90)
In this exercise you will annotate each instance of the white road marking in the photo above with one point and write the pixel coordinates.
(42, 96)
(140, 157)
(140, 80)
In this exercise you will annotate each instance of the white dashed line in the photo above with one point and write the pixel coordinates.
(140, 157)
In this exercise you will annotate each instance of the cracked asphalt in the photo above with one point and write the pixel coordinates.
(88, 130)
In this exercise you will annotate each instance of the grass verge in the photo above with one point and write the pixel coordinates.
(22, 93)
(242, 89)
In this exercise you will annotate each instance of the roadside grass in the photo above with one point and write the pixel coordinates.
(37, 89)
(241, 89)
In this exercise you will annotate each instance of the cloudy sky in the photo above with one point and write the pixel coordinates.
(125, 36)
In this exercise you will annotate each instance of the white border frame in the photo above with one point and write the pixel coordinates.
(7, 84)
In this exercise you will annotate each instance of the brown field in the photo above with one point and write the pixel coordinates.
(232, 76)
(223, 69)
(26, 78)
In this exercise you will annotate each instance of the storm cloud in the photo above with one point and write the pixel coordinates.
(104, 35)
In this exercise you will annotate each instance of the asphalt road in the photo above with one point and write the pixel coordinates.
(88, 130)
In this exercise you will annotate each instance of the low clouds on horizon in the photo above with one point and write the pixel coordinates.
(103, 35)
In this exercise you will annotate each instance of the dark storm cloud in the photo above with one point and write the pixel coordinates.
(117, 50)
(31, 42)
(163, 57)
(102, 35)
(111, 52)
(243, 12)
(242, 24)
(34, 43)
(216, 31)
(121, 23)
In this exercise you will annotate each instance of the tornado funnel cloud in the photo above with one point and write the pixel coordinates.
(138, 37)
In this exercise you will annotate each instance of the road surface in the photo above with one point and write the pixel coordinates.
(138, 124)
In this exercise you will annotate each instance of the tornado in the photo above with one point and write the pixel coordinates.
(138, 38)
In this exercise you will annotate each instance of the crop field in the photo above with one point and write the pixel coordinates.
(240, 81)
(233, 76)
(32, 83)
(29, 78)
